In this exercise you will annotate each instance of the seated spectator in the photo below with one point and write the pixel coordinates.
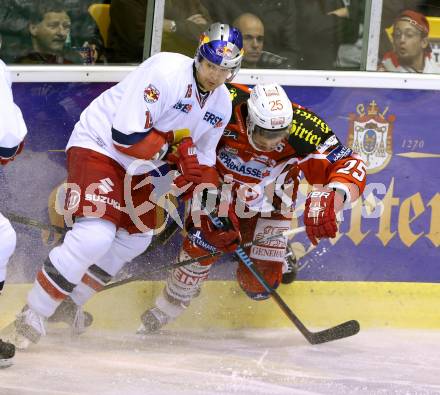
(84, 32)
(279, 19)
(254, 57)
(49, 28)
(183, 23)
(322, 27)
(14, 22)
(126, 33)
(390, 9)
(13, 28)
(412, 51)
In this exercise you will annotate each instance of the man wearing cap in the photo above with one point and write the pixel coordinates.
(412, 52)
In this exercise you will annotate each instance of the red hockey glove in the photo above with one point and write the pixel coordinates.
(210, 179)
(4, 161)
(226, 239)
(319, 215)
(187, 163)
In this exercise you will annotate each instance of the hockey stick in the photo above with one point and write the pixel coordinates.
(161, 239)
(346, 329)
(175, 265)
(19, 219)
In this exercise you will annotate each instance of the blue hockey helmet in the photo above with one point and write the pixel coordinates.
(222, 45)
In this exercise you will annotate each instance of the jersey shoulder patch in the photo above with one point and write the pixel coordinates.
(238, 93)
(308, 132)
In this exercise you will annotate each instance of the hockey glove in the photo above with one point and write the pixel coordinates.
(226, 239)
(4, 161)
(319, 215)
(187, 163)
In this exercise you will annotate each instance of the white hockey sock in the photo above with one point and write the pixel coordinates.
(170, 309)
(89, 240)
(124, 248)
(82, 293)
(183, 283)
(40, 301)
(7, 245)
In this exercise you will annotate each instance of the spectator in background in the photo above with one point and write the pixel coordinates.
(254, 57)
(127, 31)
(323, 26)
(390, 9)
(49, 28)
(350, 49)
(279, 19)
(84, 33)
(184, 21)
(14, 21)
(412, 51)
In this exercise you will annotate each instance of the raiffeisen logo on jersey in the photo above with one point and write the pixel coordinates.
(340, 152)
(237, 165)
(214, 119)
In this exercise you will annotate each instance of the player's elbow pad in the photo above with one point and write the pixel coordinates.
(9, 154)
(150, 145)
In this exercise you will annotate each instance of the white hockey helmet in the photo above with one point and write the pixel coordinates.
(269, 115)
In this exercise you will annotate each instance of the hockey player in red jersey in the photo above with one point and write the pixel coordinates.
(117, 137)
(12, 132)
(268, 142)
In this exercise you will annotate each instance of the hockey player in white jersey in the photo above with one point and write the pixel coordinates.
(167, 96)
(12, 132)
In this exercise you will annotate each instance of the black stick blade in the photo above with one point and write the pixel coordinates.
(346, 329)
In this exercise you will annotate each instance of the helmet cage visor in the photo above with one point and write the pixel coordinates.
(266, 139)
(270, 134)
(228, 72)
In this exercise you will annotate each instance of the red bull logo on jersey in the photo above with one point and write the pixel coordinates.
(151, 94)
(371, 136)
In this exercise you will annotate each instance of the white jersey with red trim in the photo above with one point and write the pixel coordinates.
(161, 94)
(12, 126)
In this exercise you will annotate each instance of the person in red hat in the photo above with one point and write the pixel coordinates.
(412, 51)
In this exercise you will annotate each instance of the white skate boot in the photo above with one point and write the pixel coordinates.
(29, 327)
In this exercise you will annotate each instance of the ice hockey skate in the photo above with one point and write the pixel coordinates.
(152, 321)
(73, 315)
(28, 328)
(290, 269)
(7, 352)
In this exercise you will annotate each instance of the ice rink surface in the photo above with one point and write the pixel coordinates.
(229, 362)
